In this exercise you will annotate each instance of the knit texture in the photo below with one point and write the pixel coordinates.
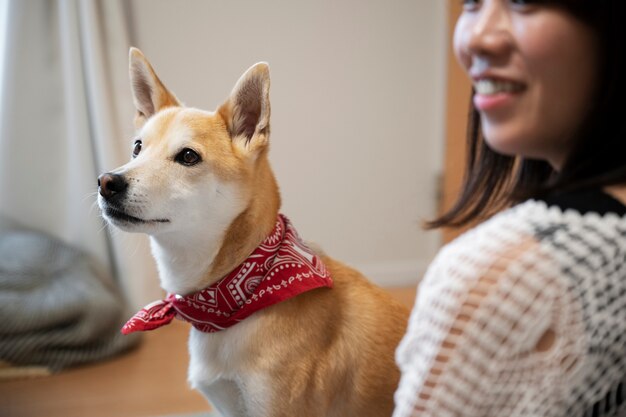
(525, 315)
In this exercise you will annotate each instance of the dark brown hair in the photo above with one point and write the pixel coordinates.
(598, 157)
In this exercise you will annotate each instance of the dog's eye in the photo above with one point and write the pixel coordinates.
(137, 148)
(187, 157)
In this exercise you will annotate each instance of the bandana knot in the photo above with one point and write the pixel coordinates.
(280, 268)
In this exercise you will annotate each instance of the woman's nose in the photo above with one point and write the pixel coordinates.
(489, 31)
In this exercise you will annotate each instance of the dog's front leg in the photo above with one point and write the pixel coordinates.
(225, 396)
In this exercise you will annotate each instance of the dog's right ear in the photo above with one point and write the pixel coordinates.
(149, 93)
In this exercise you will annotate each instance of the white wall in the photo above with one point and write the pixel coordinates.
(357, 109)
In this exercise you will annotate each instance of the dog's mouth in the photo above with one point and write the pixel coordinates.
(117, 214)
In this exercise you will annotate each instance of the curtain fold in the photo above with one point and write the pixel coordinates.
(65, 117)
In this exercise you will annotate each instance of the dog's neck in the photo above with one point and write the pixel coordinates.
(189, 261)
(183, 261)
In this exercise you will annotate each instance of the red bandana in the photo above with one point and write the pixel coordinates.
(280, 268)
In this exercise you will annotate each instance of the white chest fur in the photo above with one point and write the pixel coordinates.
(221, 368)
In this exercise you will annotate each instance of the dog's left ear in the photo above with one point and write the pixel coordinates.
(247, 110)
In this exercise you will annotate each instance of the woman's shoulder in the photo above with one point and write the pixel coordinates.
(587, 211)
(537, 250)
(563, 230)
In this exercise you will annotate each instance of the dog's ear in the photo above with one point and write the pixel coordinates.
(149, 93)
(247, 110)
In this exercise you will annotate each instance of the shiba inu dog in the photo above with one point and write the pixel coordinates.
(321, 340)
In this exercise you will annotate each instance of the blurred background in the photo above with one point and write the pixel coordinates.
(364, 99)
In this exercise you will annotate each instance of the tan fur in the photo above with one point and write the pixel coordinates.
(331, 352)
(327, 352)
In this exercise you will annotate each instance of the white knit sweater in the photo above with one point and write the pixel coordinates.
(525, 315)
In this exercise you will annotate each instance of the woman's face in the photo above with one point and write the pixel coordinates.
(533, 68)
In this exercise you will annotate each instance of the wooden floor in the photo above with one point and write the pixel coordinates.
(149, 381)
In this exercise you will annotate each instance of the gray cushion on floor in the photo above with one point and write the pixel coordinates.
(57, 308)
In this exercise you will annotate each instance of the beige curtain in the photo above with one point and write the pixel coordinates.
(65, 117)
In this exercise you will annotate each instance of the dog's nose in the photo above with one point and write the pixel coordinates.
(111, 184)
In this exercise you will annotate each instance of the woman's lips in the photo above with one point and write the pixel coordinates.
(493, 101)
(492, 94)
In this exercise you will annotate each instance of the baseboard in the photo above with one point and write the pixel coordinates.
(396, 273)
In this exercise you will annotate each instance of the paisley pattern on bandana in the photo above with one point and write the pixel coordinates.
(282, 267)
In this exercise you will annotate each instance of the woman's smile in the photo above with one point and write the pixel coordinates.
(495, 94)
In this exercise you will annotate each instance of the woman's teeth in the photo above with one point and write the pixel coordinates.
(489, 87)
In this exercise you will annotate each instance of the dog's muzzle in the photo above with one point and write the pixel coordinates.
(113, 189)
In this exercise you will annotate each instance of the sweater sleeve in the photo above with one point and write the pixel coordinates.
(483, 312)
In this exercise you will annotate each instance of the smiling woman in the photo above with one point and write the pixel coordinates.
(525, 314)
(563, 63)
(524, 76)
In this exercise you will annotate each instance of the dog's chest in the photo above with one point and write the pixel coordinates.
(225, 354)
(221, 368)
